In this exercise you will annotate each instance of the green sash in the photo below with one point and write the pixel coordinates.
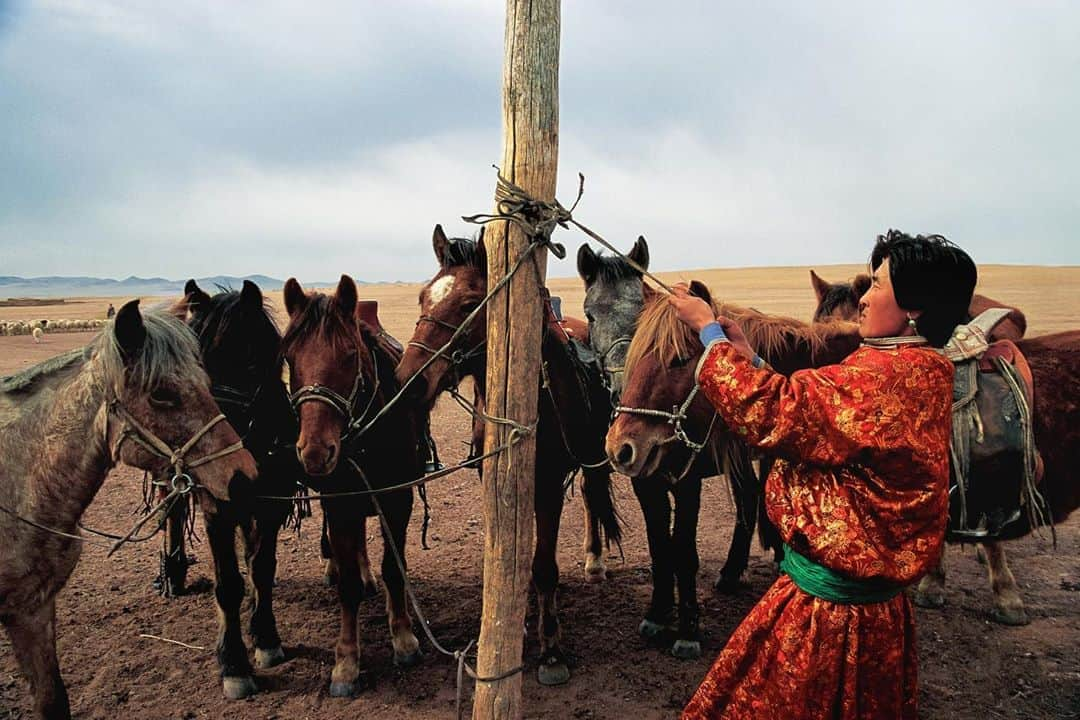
(821, 582)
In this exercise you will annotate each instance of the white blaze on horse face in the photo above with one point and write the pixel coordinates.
(440, 289)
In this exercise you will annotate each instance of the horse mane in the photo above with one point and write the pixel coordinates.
(28, 380)
(170, 348)
(463, 252)
(223, 315)
(318, 319)
(660, 331)
(612, 268)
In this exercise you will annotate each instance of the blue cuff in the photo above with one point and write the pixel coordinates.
(710, 333)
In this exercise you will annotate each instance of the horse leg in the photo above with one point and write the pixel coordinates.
(652, 495)
(595, 569)
(368, 586)
(261, 534)
(330, 571)
(174, 560)
(1008, 605)
(931, 590)
(553, 669)
(684, 543)
(344, 544)
(406, 647)
(237, 679)
(33, 638)
(746, 491)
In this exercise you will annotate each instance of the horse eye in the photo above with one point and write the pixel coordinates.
(164, 398)
(469, 306)
(678, 362)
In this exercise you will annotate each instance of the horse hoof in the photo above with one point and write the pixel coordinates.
(686, 649)
(594, 576)
(269, 657)
(238, 688)
(344, 689)
(651, 630)
(726, 586)
(552, 673)
(934, 601)
(1010, 616)
(409, 659)
(370, 589)
(329, 580)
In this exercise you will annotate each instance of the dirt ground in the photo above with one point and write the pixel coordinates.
(970, 667)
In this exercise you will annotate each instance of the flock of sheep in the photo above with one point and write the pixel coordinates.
(37, 327)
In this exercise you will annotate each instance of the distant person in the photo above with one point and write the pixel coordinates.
(110, 312)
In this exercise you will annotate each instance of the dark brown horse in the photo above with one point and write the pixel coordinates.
(136, 395)
(1055, 367)
(572, 414)
(341, 373)
(240, 347)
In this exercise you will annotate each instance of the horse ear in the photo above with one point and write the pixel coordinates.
(251, 295)
(861, 284)
(194, 295)
(821, 288)
(345, 295)
(130, 330)
(587, 263)
(295, 298)
(640, 252)
(481, 250)
(440, 244)
(698, 289)
(647, 292)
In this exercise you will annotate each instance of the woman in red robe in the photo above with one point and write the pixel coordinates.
(859, 495)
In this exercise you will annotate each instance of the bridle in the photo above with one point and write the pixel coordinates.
(344, 406)
(675, 418)
(608, 373)
(181, 481)
(458, 359)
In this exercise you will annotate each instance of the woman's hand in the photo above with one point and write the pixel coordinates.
(697, 313)
(693, 311)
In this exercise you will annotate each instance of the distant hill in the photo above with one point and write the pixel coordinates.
(51, 287)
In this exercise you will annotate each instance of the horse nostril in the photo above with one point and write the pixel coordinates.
(330, 453)
(625, 456)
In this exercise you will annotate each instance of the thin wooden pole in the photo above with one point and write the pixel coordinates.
(514, 323)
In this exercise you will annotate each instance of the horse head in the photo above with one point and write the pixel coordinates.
(446, 301)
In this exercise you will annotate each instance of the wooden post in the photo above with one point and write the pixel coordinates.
(514, 322)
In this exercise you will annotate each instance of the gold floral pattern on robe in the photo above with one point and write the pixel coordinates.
(861, 487)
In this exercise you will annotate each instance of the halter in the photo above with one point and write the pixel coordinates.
(345, 406)
(181, 482)
(457, 358)
(606, 372)
(675, 418)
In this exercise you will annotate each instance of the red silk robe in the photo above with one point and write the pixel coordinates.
(861, 487)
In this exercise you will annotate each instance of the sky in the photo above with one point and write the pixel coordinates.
(309, 139)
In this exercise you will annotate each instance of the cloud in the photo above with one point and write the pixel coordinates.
(282, 138)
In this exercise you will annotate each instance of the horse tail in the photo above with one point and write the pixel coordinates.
(597, 488)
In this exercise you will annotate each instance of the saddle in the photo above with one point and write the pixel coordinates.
(992, 434)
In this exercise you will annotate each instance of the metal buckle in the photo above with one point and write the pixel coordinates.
(182, 483)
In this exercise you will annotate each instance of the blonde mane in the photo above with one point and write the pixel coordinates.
(660, 331)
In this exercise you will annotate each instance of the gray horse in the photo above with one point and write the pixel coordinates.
(614, 296)
(136, 395)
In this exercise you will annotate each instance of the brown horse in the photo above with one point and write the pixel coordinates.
(137, 390)
(573, 411)
(341, 374)
(840, 301)
(1054, 373)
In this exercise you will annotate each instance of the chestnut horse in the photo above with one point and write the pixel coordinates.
(240, 348)
(137, 391)
(573, 411)
(1055, 368)
(341, 373)
(614, 297)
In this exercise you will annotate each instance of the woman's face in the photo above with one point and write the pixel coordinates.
(879, 315)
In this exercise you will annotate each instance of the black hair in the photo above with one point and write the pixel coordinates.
(931, 275)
